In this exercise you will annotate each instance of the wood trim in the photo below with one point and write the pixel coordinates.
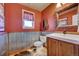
(78, 8)
(74, 8)
(76, 33)
(66, 7)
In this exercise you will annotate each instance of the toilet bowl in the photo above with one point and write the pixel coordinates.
(39, 46)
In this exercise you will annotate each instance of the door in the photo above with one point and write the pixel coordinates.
(66, 49)
(49, 47)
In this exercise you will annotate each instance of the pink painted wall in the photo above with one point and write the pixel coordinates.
(49, 15)
(13, 17)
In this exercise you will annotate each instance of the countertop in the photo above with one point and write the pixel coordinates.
(71, 38)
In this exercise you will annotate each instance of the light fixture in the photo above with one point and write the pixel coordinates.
(58, 5)
(63, 3)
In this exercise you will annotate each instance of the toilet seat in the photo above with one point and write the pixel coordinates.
(38, 43)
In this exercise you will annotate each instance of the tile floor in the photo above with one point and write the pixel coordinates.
(30, 52)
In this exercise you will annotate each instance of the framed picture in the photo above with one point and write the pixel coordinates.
(1, 17)
(75, 19)
(62, 22)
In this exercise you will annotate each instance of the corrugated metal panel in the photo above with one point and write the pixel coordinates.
(17, 40)
(2, 43)
(20, 40)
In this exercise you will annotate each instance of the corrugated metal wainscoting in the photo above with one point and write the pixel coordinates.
(3, 41)
(17, 40)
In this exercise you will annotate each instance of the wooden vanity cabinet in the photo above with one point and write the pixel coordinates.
(52, 47)
(61, 48)
(66, 49)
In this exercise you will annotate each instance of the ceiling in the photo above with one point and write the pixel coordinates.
(38, 6)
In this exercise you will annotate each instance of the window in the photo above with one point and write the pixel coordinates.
(28, 19)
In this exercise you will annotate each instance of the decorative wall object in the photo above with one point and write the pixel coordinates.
(1, 17)
(75, 19)
(62, 22)
(2, 33)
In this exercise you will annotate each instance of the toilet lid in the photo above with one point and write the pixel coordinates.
(38, 43)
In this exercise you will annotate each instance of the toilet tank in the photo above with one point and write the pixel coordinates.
(43, 39)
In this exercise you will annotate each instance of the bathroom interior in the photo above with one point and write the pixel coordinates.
(39, 29)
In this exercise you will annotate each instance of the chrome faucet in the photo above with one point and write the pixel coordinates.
(64, 32)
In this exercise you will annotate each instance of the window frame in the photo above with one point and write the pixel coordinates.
(33, 25)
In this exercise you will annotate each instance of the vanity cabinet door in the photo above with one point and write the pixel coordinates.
(66, 49)
(52, 47)
(49, 47)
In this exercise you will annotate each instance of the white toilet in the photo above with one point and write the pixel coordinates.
(40, 43)
(39, 46)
